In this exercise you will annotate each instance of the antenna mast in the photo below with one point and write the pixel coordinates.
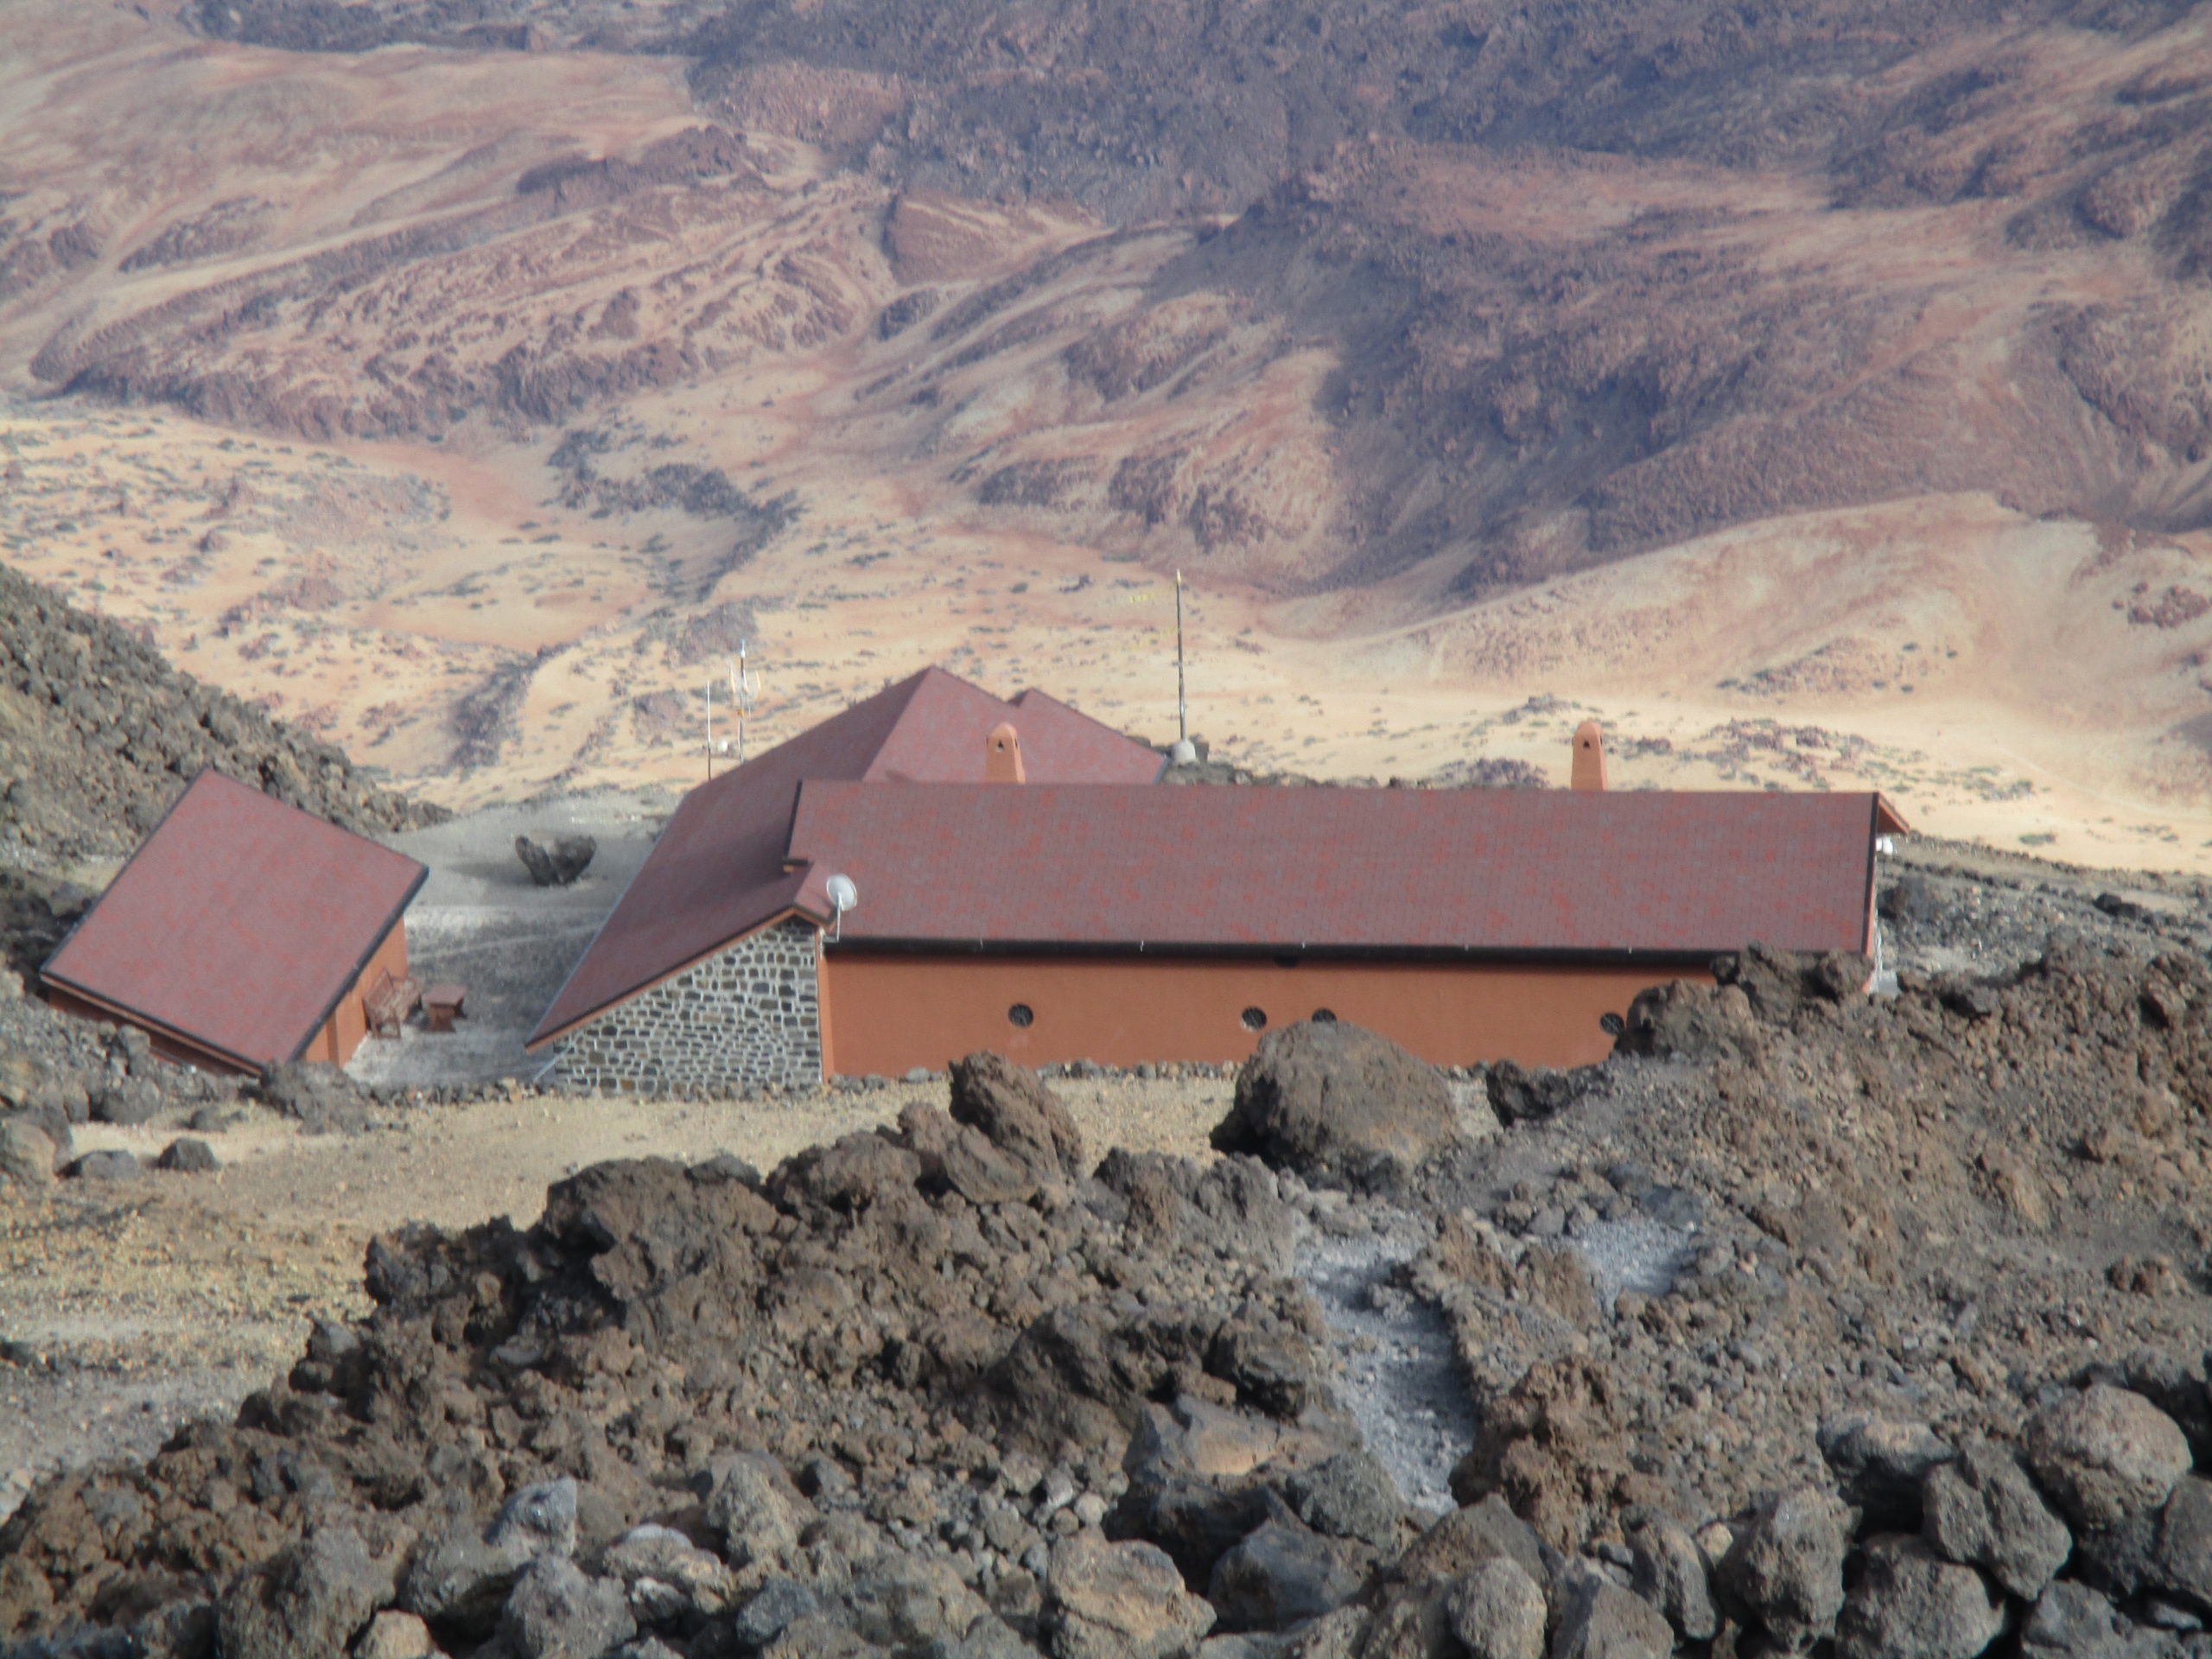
(744, 692)
(1182, 703)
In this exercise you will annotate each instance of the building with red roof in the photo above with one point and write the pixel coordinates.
(934, 871)
(243, 932)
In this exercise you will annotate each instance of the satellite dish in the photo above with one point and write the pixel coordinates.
(843, 896)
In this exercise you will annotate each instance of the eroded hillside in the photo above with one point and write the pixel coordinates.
(885, 334)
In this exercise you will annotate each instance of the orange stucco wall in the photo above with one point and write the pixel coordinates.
(889, 1013)
(349, 1022)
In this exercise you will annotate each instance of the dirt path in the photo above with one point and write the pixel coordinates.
(127, 1309)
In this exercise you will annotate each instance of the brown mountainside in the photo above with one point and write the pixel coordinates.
(1594, 279)
(889, 322)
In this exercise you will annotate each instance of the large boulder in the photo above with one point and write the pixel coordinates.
(1348, 1495)
(463, 1575)
(751, 1502)
(1283, 1573)
(307, 1601)
(1669, 1570)
(1018, 1114)
(26, 1155)
(1598, 1619)
(557, 862)
(1982, 1510)
(1785, 1569)
(127, 1101)
(906, 1604)
(1119, 1601)
(1525, 1094)
(555, 1612)
(325, 1099)
(188, 1155)
(2105, 1453)
(670, 1578)
(1331, 1099)
(1910, 1603)
(1880, 1463)
(1497, 1611)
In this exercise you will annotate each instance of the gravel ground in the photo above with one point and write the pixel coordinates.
(1400, 1380)
(481, 921)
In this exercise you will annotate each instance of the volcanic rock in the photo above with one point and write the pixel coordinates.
(108, 1164)
(1525, 1095)
(462, 1576)
(1282, 1574)
(26, 1157)
(2105, 1453)
(1348, 1495)
(393, 1635)
(322, 1097)
(1119, 1601)
(556, 863)
(1670, 1572)
(668, 1576)
(128, 1100)
(751, 1502)
(188, 1155)
(1598, 1619)
(1497, 1611)
(1912, 1603)
(307, 1601)
(1018, 1114)
(1786, 1568)
(1880, 1464)
(1984, 1512)
(1332, 1099)
(556, 1612)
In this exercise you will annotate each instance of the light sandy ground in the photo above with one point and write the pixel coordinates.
(126, 1310)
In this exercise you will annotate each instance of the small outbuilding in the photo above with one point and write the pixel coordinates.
(243, 932)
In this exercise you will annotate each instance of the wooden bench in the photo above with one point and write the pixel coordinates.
(441, 1004)
(389, 1001)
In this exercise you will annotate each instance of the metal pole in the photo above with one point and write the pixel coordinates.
(1182, 703)
(710, 731)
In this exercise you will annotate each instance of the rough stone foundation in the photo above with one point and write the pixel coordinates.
(750, 1016)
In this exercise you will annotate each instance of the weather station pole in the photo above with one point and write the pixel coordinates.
(1182, 701)
(1185, 751)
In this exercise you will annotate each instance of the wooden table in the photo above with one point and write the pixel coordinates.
(441, 1005)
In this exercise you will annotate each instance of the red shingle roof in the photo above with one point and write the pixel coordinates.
(1513, 872)
(238, 925)
(718, 870)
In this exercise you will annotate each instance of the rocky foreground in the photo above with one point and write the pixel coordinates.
(1806, 1322)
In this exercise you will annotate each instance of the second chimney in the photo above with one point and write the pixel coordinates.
(1589, 757)
(1002, 756)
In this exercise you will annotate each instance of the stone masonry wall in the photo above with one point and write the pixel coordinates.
(750, 1016)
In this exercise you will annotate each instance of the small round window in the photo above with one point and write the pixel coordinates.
(1255, 1019)
(1611, 1024)
(1021, 1015)
(1325, 1016)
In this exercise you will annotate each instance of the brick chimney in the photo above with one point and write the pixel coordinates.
(1589, 756)
(1002, 756)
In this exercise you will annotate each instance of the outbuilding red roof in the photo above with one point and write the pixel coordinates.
(238, 925)
(720, 869)
(1524, 872)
